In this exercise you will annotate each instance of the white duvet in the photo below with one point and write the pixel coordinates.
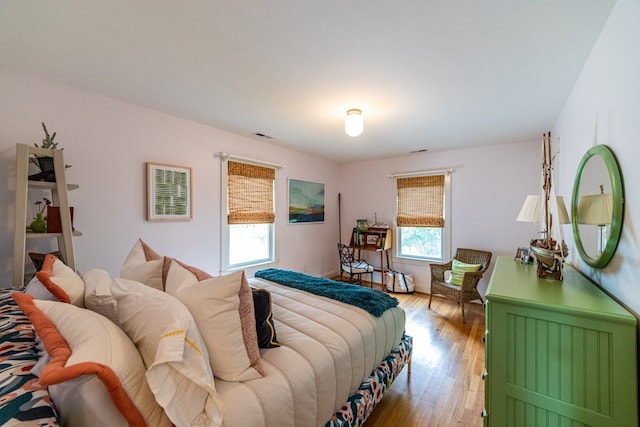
(327, 349)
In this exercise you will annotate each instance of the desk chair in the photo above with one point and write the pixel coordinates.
(353, 267)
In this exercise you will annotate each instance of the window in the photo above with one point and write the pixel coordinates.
(423, 232)
(249, 216)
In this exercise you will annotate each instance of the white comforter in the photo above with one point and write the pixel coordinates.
(327, 349)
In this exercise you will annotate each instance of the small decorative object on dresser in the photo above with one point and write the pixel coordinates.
(524, 255)
(550, 249)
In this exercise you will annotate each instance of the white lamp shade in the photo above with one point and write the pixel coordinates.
(595, 209)
(354, 123)
(531, 209)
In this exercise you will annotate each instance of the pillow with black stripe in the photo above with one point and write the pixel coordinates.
(265, 326)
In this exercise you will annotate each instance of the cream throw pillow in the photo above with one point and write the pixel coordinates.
(144, 265)
(215, 304)
(458, 269)
(169, 342)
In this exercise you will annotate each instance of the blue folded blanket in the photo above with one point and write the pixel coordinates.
(375, 302)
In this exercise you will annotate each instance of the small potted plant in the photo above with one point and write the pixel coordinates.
(39, 225)
(45, 163)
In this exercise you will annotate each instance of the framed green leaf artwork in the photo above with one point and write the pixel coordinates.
(168, 192)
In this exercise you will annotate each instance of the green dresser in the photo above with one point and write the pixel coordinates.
(557, 353)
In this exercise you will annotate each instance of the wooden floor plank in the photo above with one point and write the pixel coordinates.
(445, 387)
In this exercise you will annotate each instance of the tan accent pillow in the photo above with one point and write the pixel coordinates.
(223, 309)
(144, 265)
(169, 342)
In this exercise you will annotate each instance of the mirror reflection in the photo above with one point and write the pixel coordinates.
(597, 206)
(594, 206)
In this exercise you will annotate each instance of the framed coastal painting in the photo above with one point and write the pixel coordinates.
(168, 192)
(306, 201)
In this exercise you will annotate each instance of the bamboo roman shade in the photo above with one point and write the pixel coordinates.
(421, 201)
(250, 189)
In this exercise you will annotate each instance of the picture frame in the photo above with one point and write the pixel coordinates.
(523, 254)
(306, 201)
(372, 239)
(169, 196)
(362, 224)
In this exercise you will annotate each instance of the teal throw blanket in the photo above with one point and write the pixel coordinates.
(375, 302)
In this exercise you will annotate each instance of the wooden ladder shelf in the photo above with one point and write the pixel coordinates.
(59, 197)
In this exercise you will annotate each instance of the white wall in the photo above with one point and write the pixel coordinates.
(489, 186)
(604, 108)
(108, 142)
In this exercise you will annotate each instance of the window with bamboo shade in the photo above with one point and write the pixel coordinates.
(250, 189)
(422, 232)
(421, 201)
(250, 233)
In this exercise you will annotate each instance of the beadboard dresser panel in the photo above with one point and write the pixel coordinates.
(557, 352)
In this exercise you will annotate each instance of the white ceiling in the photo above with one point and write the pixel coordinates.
(427, 74)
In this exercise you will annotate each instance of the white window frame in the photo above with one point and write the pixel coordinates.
(446, 230)
(225, 237)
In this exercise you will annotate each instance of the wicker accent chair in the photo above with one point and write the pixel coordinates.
(468, 290)
(353, 267)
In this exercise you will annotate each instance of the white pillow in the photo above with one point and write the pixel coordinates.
(95, 375)
(57, 282)
(144, 265)
(215, 306)
(97, 293)
(169, 342)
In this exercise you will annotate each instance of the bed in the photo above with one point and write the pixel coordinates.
(326, 363)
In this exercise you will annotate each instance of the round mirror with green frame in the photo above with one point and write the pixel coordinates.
(597, 206)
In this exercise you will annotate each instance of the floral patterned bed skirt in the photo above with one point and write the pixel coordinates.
(361, 404)
(23, 401)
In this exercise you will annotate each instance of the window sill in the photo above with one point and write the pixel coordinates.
(250, 267)
(415, 261)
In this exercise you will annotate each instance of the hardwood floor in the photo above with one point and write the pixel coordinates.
(445, 387)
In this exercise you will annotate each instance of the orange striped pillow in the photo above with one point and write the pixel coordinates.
(59, 280)
(60, 370)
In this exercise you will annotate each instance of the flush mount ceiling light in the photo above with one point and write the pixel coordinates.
(353, 123)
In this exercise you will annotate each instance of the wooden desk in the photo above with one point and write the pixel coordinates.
(373, 240)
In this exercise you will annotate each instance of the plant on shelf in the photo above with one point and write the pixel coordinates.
(45, 163)
(39, 224)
